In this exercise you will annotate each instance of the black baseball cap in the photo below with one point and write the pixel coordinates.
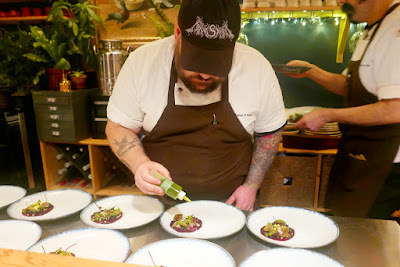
(209, 30)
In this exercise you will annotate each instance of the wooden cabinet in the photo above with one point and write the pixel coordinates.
(103, 182)
(298, 178)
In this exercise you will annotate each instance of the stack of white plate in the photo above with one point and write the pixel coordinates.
(330, 128)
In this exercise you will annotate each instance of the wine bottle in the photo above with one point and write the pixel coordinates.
(75, 155)
(86, 167)
(60, 156)
(62, 171)
(68, 164)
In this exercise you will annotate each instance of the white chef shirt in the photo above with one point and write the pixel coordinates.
(380, 67)
(140, 93)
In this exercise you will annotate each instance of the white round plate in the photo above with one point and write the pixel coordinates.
(311, 229)
(219, 219)
(91, 243)
(10, 194)
(136, 211)
(288, 257)
(300, 110)
(65, 202)
(16, 234)
(182, 252)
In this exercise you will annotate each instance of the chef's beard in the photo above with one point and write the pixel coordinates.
(350, 10)
(189, 78)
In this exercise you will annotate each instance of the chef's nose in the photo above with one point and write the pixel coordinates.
(205, 76)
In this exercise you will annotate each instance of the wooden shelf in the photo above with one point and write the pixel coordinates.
(306, 151)
(96, 142)
(289, 9)
(16, 20)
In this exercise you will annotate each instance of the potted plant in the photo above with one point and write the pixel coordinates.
(78, 80)
(64, 42)
(18, 74)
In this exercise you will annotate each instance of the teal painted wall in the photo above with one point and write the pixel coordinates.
(317, 44)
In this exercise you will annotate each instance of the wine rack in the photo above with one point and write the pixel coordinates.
(87, 165)
(76, 168)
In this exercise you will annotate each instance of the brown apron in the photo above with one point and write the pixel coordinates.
(206, 149)
(365, 155)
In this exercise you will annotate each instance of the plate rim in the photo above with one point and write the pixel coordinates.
(300, 69)
(87, 229)
(214, 201)
(121, 196)
(289, 246)
(26, 222)
(179, 238)
(291, 249)
(15, 186)
(49, 219)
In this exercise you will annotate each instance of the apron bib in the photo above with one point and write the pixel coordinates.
(206, 149)
(365, 154)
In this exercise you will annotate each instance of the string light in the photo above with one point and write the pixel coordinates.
(303, 21)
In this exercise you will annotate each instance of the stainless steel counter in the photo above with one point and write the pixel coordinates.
(362, 242)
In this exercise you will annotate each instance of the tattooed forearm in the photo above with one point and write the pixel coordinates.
(124, 146)
(126, 164)
(265, 149)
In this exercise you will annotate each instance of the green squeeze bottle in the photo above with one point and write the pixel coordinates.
(170, 188)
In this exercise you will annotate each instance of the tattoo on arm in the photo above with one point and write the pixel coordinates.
(265, 148)
(124, 146)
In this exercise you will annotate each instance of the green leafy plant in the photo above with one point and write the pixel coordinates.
(164, 25)
(65, 40)
(16, 68)
(78, 74)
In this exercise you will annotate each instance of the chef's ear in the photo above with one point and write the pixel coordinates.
(177, 31)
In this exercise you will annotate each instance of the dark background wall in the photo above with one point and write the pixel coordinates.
(317, 44)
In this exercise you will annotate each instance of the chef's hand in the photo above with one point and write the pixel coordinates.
(244, 196)
(314, 119)
(146, 182)
(299, 63)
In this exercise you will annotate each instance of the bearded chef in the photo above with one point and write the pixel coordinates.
(365, 178)
(211, 109)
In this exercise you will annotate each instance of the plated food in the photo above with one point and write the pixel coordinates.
(65, 252)
(182, 252)
(18, 234)
(277, 230)
(37, 209)
(10, 194)
(122, 212)
(218, 219)
(295, 117)
(89, 243)
(185, 224)
(59, 204)
(288, 257)
(107, 216)
(312, 229)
